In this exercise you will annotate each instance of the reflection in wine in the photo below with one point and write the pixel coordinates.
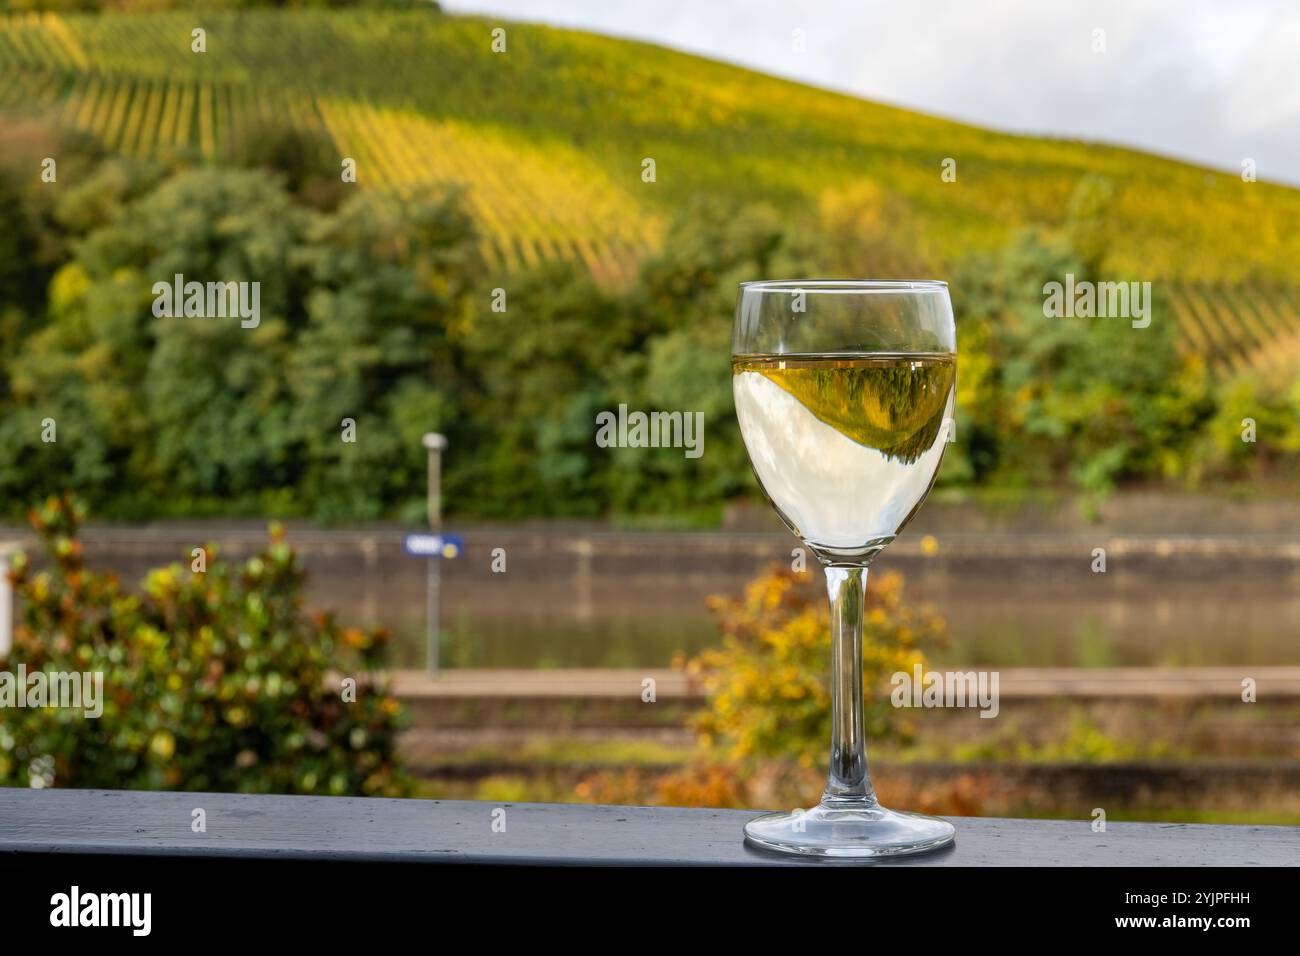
(845, 446)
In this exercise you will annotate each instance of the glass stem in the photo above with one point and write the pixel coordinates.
(849, 783)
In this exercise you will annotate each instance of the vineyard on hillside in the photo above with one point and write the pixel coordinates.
(533, 202)
(1235, 328)
(417, 97)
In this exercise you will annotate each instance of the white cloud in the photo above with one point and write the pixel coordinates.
(1208, 82)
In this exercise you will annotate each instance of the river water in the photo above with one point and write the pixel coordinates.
(574, 599)
(582, 598)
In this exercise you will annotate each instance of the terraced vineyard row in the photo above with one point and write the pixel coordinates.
(39, 39)
(151, 118)
(1239, 327)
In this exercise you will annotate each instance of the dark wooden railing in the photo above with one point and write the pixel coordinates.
(143, 824)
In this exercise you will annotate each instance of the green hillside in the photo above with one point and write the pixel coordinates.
(550, 135)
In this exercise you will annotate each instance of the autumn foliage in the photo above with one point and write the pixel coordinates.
(765, 729)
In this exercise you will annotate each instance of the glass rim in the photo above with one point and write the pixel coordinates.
(844, 285)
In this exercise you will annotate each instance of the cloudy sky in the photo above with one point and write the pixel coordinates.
(1211, 82)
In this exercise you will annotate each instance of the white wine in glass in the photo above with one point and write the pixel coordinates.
(844, 393)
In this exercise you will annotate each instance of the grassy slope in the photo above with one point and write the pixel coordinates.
(551, 134)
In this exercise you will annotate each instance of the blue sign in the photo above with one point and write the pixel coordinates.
(434, 545)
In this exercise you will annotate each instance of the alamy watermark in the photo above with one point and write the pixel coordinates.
(946, 689)
(133, 911)
(73, 690)
(651, 430)
(210, 300)
(1086, 299)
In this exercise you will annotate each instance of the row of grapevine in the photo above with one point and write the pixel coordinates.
(150, 118)
(1239, 327)
(39, 40)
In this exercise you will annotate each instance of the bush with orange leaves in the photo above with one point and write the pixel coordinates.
(765, 730)
(767, 684)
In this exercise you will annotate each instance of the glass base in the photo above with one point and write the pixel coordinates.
(849, 831)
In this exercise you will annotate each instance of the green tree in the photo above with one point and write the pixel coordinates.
(681, 312)
(1090, 400)
(358, 313)
(388, 300)
(541, 372)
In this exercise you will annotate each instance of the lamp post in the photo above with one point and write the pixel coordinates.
(7, 548)
(435, 443)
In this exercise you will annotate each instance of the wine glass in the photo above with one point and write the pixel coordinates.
(844, 392)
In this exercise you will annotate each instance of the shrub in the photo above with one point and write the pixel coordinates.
(213, 679)
(765, 729)
(767, 686)
(1267, 402)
